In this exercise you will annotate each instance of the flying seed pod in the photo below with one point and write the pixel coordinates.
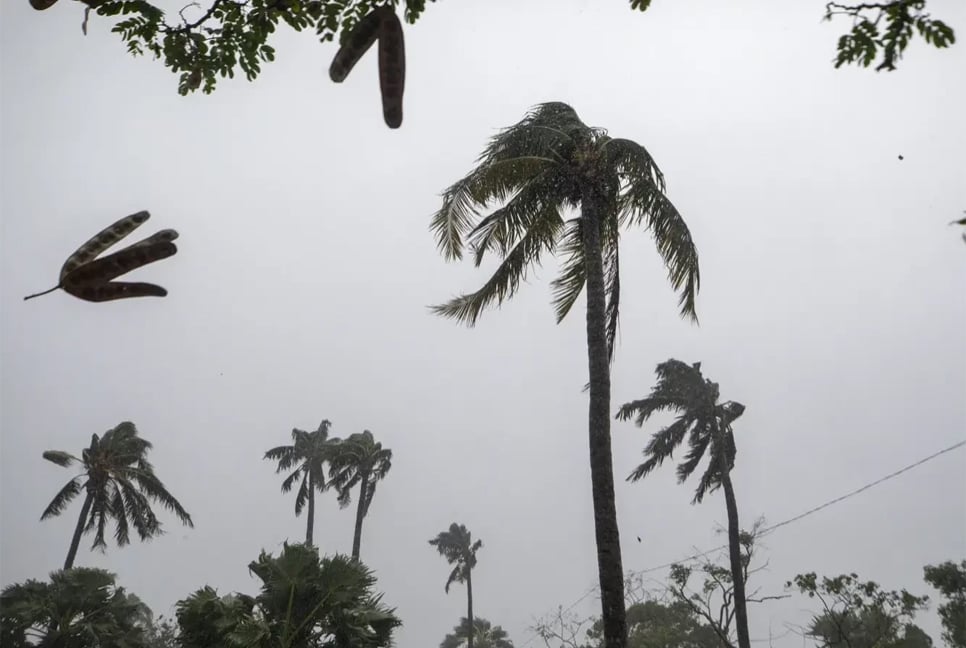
(361, 38)
(86, 277)
(40, 5)
(392, 69)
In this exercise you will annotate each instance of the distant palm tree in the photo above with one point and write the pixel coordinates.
(707, 423)
(535, 170)
(359, 460)
(457, 546)
(307, 455)
(485, 635)
(119, 483)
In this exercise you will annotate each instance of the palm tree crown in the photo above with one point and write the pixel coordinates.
(682, 389)
(120, 484)
(306, 459)
(457, 547)
(359, 460)
(537, 168)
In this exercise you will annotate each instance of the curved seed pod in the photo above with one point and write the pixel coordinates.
(116, 290)
(392, 69)
(103, 240)
(40, 5)
(121, 262)
(361, 38)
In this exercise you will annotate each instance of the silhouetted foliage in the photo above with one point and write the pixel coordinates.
(857, 614)
(950, 579)
(119, 484)
(203, 43)
(304, 602)
(77, 608)
(485, 635)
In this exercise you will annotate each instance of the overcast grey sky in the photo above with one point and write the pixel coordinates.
(832, 301)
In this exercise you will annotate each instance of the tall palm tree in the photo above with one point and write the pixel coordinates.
(307, 455)
(119, 483)
(457, 546)
(359, 460)
(707, 423)
(547, 163)
(485, 635)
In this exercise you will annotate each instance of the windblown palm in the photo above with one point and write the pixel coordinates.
(359, 460)
(707, 425)
(549, 162)
(119, 484)
(307, 455)
(485, 635)
(457, 546)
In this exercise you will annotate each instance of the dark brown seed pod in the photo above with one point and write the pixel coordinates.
(392, 69)
(103, 240)
(40, 5)
(89, 278)
(361, 38)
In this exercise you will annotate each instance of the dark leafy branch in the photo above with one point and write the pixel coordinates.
(887, 27)
(205, 44)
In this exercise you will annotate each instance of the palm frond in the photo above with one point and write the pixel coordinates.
(642, 201)
(612, 288)
(566, 288)
(119, 513)
(60, 457)
(503, 284)
(504, 227)
(291, 479)
(631, 160)
(492, 182)
(455, 576)
(302, 496)
(547, 128)
(700, 439)
(63, 497)
(151, 486)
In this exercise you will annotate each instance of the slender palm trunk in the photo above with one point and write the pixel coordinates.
(360, 513)
(79, 530)
(609, 565)
(310, 522)
(469, 607)
(737, 571)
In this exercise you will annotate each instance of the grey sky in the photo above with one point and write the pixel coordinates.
(832, 300)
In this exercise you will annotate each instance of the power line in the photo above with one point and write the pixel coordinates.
(778, 525)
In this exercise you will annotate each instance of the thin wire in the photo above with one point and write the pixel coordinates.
(773, 527)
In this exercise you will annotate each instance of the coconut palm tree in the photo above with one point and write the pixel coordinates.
(485, 635)
(359, 460)
(548, 163)
(457, 546)
(77, 608)
(119, 484)
(307, 455)
(682, 389)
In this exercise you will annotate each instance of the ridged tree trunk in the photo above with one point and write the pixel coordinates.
(310, 522)
(79, 530)
(360, 513)
(469, 608)
(734, 551)
(609, 564)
